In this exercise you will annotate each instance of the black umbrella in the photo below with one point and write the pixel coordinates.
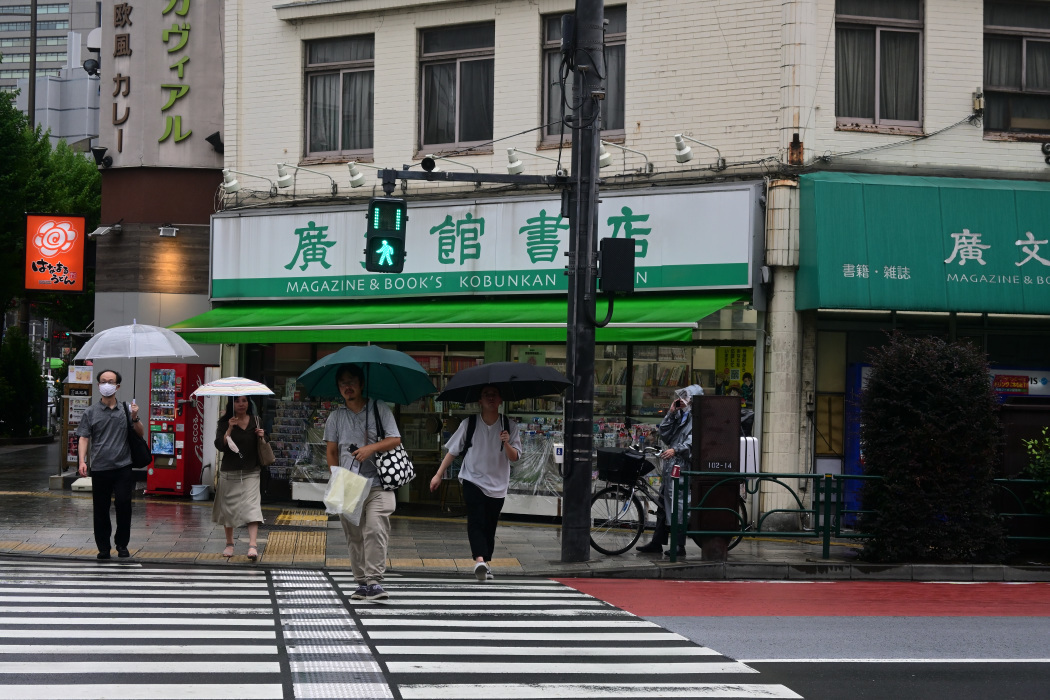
(515, 380)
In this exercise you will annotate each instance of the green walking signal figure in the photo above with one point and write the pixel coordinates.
(385, 237)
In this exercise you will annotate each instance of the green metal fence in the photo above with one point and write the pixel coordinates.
(827, 515)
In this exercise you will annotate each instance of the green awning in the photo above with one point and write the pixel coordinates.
(637, 319)
(923, 244)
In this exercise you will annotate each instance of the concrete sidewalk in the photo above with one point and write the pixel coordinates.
(38, 522)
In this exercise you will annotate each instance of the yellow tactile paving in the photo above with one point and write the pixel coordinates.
(407, 563)
(59, 550)
(85, 551)
(509, 561)
(310, 547)
(9, 544)
(181, 555)
(150, 555)
(30, 547)
(302, 518)
(340, 562)
(440, 563)
(281, 547)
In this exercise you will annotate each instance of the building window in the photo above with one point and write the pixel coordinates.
(51, 25)
(14, 74)
(457, 85)
(340, 80)
(1017, 67)
(878, 62)
(555, 104)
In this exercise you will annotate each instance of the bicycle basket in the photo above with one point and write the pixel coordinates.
(621, 465)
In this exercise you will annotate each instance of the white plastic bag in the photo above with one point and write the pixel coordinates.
(345, 495)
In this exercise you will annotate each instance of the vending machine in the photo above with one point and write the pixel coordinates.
(176, 428)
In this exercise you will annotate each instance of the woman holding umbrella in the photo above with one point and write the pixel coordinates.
(485, 474)
(238, 497)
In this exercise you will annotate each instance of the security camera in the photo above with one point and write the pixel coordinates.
(91, 66)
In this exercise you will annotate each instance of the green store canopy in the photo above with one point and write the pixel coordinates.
(638, 319)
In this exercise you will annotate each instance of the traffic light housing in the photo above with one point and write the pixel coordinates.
(385, 237)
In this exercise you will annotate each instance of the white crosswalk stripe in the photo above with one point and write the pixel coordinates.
(128, 632)
(449, 639)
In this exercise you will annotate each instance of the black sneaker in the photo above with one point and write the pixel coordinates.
(123, 552)
(102, 555)
(375, 592)
(360, 593)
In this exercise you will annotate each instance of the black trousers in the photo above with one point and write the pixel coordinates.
(112, 485)
(482, 519)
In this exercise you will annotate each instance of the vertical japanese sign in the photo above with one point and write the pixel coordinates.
(159, 75)
(54, 253)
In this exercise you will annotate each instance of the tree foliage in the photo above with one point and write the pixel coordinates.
(21, 386)
(930, 429)
(38, 178)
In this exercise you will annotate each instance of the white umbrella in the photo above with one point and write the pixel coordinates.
(135, 341)
(232, 386)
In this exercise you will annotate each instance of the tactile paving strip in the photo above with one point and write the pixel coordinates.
(326, 655)
(302, 518)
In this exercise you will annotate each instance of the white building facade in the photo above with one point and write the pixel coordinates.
(770, 97)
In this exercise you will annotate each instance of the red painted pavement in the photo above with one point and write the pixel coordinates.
(650, 598)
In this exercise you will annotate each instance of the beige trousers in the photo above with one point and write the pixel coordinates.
(367, 542)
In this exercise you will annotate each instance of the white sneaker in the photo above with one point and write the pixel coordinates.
(481, 571)
(489, 576)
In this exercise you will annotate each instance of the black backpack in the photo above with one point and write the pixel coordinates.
(472, 424)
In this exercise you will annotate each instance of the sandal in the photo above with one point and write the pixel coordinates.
(228, 552)
(253, 554)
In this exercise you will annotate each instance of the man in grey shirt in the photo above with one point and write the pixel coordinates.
(103, 432)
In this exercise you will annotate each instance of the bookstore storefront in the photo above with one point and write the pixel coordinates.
(964, 260)
(483, 282)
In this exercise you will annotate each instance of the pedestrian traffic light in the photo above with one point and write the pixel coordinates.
(385, 238)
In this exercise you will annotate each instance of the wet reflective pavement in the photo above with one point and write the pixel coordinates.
(38, 522)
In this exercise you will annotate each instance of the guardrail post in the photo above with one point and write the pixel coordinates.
(828, 480)
(674, 519)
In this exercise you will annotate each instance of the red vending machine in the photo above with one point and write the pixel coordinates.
(176, 428)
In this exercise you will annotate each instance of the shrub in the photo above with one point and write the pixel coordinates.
(930, 429)
(22, 389)
(1039, 468)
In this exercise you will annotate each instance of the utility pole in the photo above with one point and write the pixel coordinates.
(23, 304)
(588, 66)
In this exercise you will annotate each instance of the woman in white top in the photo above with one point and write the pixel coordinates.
(485, 474)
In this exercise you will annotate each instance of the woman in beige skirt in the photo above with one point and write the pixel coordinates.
(237, 495)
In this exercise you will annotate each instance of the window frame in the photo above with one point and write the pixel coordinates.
(891, 24)
(340, 68)
(458, 57)
(549, 47)
(1024, 34)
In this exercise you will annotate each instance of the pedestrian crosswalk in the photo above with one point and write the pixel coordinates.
(124, 631)
(443, 639)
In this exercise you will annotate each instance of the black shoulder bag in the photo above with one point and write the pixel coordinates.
(140, 453)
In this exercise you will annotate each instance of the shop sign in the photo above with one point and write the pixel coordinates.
(1020, 382)
(695, 240)
(54, 253)
(159, 77)
(924, 244)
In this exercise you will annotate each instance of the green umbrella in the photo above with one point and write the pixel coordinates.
(390, 375)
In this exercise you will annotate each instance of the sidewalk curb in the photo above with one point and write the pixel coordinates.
(696, 571)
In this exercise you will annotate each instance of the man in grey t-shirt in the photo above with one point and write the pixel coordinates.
(103, 433)
(352, 439)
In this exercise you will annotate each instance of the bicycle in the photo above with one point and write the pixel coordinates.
(618, 516)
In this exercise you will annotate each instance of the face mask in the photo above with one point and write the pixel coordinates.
(107, 390)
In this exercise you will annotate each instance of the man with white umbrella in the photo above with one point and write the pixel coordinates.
(103, 430)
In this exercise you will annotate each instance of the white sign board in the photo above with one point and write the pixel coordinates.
(685, 240)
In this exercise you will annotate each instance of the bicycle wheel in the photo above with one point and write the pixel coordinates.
(744, 526)
(617, 520)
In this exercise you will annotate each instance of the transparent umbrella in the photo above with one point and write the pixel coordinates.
(135, 340)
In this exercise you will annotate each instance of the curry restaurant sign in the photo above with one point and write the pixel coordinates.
(695, 240)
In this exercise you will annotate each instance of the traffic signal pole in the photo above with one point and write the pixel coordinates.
(584, 48)
(588, 71)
